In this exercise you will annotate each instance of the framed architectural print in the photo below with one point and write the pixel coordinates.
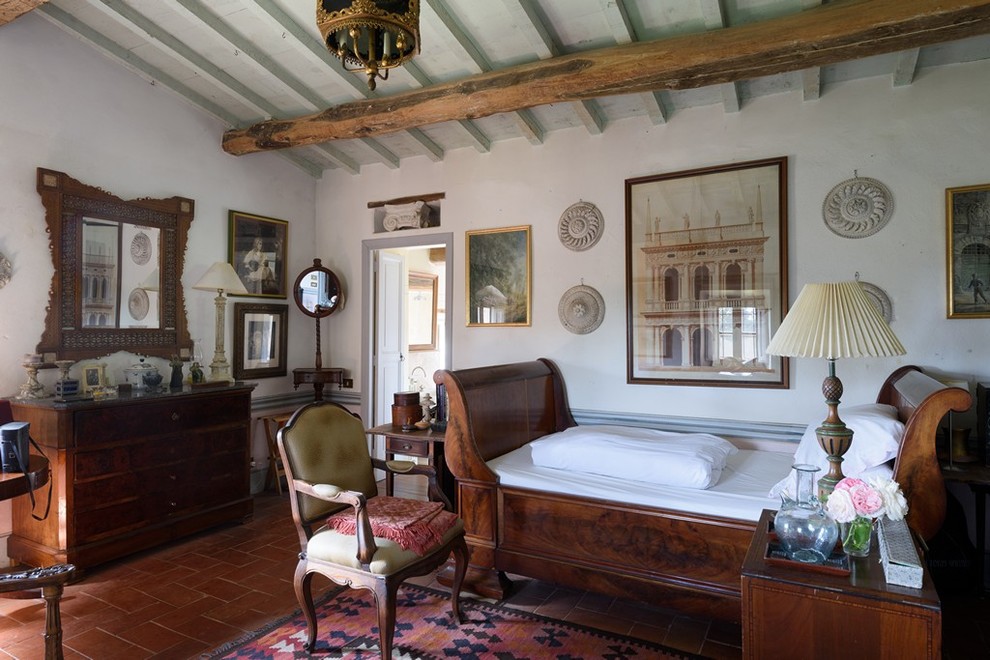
(257, 252)
(260, 340)
(706, 275)
(498, 277)
(967, 212)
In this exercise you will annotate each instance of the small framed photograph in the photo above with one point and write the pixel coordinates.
(93, 376)
(706, 275)
(257, 251)
(260, 340)
(967, 212)
(498, 277)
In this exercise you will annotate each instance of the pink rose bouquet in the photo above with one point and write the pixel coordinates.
(855, 504)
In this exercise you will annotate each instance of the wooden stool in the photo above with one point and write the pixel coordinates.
(51, 581)
(275, 470)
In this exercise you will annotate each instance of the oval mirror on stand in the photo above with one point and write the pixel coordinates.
(318, 294)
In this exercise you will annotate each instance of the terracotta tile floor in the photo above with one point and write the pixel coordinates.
(185, 599)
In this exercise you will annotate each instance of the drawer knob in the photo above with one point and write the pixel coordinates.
(172, 477)
(175, 417)
(407, 446)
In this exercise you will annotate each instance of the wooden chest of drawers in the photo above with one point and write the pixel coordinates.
(133, 472)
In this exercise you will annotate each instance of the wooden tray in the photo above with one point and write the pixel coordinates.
(835, 564)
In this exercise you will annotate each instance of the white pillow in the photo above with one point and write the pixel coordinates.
(877, 437)
(685, 460)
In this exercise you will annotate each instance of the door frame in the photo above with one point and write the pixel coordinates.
(368, 248)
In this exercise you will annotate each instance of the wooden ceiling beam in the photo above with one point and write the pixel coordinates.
(11, 9)
(827, 34)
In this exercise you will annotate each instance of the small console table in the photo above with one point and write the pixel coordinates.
(800, 613)
(426, 443)
(317, 378)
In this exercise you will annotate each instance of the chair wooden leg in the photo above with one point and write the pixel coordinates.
(385, 595)
(302, 582)
(52, 593)
(461, 562)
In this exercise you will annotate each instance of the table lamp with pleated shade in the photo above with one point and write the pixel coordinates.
(834, 320)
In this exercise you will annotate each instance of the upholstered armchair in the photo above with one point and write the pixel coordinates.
(329, 471)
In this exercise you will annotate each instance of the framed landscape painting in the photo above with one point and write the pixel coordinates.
(706, 275)
(498, 277)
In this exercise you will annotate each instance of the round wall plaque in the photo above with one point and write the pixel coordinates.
(880, 300)
(581, 309)
(138, 304)
(858, 207)
(580, 226)
(140, 248)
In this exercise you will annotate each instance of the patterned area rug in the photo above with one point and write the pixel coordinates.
(425, 630)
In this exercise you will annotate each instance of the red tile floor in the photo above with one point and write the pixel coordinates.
(185, 599)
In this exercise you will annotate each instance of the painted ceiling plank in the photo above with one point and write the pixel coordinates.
(340, 159)
(907, 67)
(432, 150)
(730, 97)
(830, 33)
(548, 46)
(390, 159)
(528, 125)
(194, 60)
(141, 67)
(811, 82)
(655, 108)
(279, 75)
(623, 31)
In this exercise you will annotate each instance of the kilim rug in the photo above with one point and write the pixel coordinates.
(425, 630)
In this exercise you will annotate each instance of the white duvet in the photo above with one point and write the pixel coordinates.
(684, 460)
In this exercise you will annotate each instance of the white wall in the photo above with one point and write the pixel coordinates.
(67, 107)
(918, 139)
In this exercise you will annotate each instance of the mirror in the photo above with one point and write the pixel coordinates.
(317, 291)
(422, 296)
(118, 266)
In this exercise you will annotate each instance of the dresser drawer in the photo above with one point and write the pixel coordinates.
(105, 425)
(407, 447)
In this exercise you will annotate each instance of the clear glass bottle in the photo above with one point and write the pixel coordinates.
(805, 531)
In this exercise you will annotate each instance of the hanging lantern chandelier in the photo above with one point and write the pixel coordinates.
(372, 36)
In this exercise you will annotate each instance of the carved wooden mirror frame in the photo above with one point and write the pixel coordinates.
(67, 201)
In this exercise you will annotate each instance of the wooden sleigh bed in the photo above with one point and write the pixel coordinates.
(686, 561)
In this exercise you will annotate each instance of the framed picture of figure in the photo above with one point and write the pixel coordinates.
(257, 251)
(706, 275)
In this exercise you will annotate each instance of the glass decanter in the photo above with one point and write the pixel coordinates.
(805, 531)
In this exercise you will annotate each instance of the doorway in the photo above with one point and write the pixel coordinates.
(405, 326)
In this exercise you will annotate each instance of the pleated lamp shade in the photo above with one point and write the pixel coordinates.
(834, 320)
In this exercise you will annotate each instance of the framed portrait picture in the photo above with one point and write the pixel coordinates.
(260, 340)
(498, 277)
(706, 275)
(967, 211)
(93, 376)
(257, 251)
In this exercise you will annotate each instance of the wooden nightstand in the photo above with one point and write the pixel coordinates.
(799, 613)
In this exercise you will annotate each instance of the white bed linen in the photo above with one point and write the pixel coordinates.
(741, 493)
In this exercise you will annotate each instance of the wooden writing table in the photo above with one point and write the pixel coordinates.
(799, 613)
(425, 443)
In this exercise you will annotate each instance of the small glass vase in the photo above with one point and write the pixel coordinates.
(857, 536)
(805, 531)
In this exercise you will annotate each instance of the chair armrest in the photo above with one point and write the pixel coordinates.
(330, 493)
(409, 467)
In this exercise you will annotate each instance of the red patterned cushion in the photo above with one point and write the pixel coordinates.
(413, 524)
